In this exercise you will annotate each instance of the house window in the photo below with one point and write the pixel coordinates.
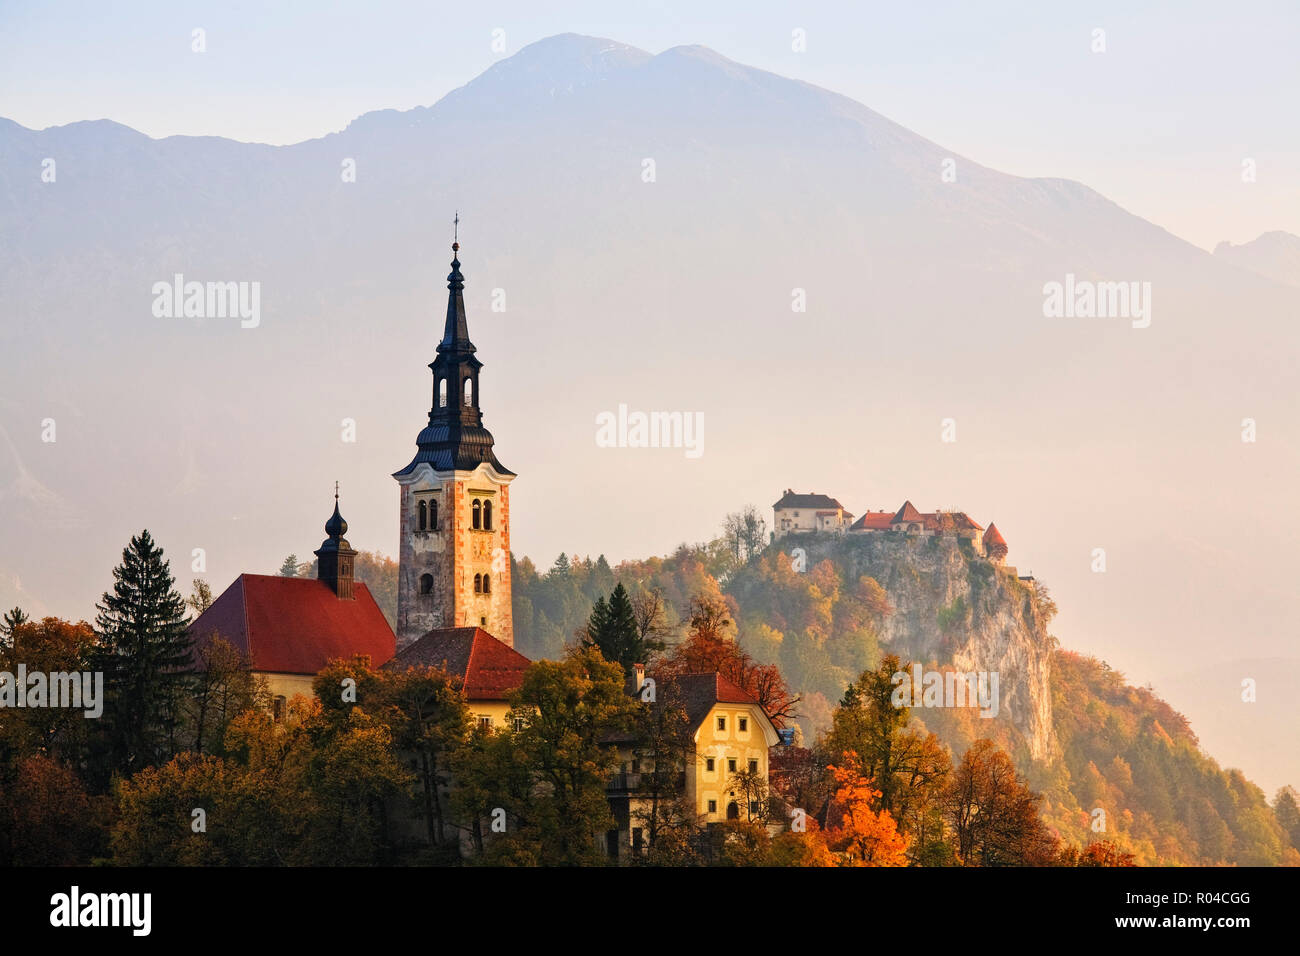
(731, 765)
(487, 516)
(482, 622)
(279, 706)
(636, 840)
(708, 765)
(477, 514)
(722, 723)
(426, 583)
(519, 725)
(636, 766)
(424, 516)
(753, 808)
(487, 585)
(753, 766)
(744, 724)
(478, 584)
(713, 806)
(433, 515)
(484, 723)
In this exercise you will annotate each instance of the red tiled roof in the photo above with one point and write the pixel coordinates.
(994, 536)
(296, 625)
(907, 513)
(873, 521)
(966, 522)
(490, 669)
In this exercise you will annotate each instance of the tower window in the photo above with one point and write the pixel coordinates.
(487, 515)
(478, 514)
(426, 583)
(469, 391)
(442, 393)
(487, 585)
(424, 516)
(478, 584)
(433, 514)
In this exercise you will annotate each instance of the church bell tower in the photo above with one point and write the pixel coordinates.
(454, 500)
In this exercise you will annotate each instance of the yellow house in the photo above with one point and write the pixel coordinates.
(725, 768)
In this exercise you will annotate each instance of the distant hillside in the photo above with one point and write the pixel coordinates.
(1274, 254)
(1084, 737)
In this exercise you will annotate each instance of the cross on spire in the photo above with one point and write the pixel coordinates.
(455, 233)
(336, 491)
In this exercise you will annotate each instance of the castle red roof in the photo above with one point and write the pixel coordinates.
(490, 669)
(873, 521)
(296, 625)
(907, 513)
(994, 536)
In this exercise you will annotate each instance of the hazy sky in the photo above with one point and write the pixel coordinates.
(1160, 122)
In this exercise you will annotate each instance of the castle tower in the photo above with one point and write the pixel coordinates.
(454, 505)
(335, 557)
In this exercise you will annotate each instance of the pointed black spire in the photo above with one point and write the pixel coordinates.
(334, 558)
(455, 439)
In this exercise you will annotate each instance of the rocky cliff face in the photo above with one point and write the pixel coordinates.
(954, 607)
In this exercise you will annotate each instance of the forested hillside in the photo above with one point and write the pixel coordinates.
(1111, 747)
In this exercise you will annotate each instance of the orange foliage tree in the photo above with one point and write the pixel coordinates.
(863, 837)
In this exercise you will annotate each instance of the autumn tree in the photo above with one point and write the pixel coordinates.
(49, 646)
(224, 686)
(858, 834)
(744, 533)
(200, 598)
(908, 768)
(994, 814)
(707, 650)
(46, 816)
(429, 720)
(1096, 853)
(568, 708)
(663, 741)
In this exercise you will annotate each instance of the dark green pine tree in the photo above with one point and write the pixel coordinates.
(11, 620)
(144, 653)
(612, 628)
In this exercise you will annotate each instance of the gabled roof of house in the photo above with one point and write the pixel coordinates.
(489, 668)
(907, 513)
(701, 691)
(812, 502)
(966, 523)
(296, 625)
